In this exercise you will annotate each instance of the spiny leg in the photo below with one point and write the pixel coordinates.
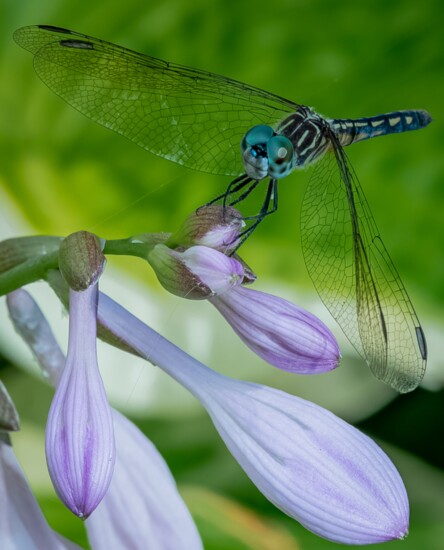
(235, 186)
(244, 195)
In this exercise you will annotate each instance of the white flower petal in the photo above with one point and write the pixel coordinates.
(142, 508)
(22, 524)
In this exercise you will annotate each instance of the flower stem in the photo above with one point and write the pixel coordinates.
(27, 272)
(138, 246)
(29, 259)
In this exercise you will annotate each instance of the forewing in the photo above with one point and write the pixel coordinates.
(192, 117)
(355, 276)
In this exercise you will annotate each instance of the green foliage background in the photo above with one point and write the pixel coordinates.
(346, 59)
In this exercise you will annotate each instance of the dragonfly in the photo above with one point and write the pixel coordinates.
(207, 122)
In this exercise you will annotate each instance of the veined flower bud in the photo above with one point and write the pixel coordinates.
(308, 462)
(312, 465)
(80, 449)
(196, 273)
(213, 226)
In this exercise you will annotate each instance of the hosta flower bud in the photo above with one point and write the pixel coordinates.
(80, 448)
(308, 462)
(81, 260)
(196, 273)
(280, 332)
(142, 508)
(214, 226)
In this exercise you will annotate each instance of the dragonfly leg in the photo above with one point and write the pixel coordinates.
(270, 203)
(269, 206)
(247, 185)
(235, 186)
(244, 195)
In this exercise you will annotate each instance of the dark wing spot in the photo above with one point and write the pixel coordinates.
(55, 29)
(421, 342)
(81, 44)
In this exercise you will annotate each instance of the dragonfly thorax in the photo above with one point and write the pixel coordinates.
(308, 133)
(265, 153)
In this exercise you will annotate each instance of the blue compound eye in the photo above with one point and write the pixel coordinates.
(266, 154)
(280, 156)
(257, 135)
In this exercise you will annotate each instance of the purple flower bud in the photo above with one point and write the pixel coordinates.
(214, 226)
(79, 434)
(283, 334)
(311, 464)
(196, 273)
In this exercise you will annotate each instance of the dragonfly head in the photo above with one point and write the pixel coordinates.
(265, 153)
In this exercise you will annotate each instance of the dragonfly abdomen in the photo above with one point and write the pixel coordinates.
(350, 131)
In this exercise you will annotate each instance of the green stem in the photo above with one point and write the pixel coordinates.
(27, 272)
(37, 266)
(139, 246)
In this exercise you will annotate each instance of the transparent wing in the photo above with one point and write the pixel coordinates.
(192, 117)
(355, 276)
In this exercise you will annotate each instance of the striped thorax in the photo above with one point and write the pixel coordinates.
(309, 134)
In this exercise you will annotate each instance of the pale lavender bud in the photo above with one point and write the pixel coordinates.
(311, 464)
(195, 273)
(79, 434)
(308, 462)
(22, 524)
(283, 334)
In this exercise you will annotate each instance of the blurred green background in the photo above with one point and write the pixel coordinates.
(59, 173)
